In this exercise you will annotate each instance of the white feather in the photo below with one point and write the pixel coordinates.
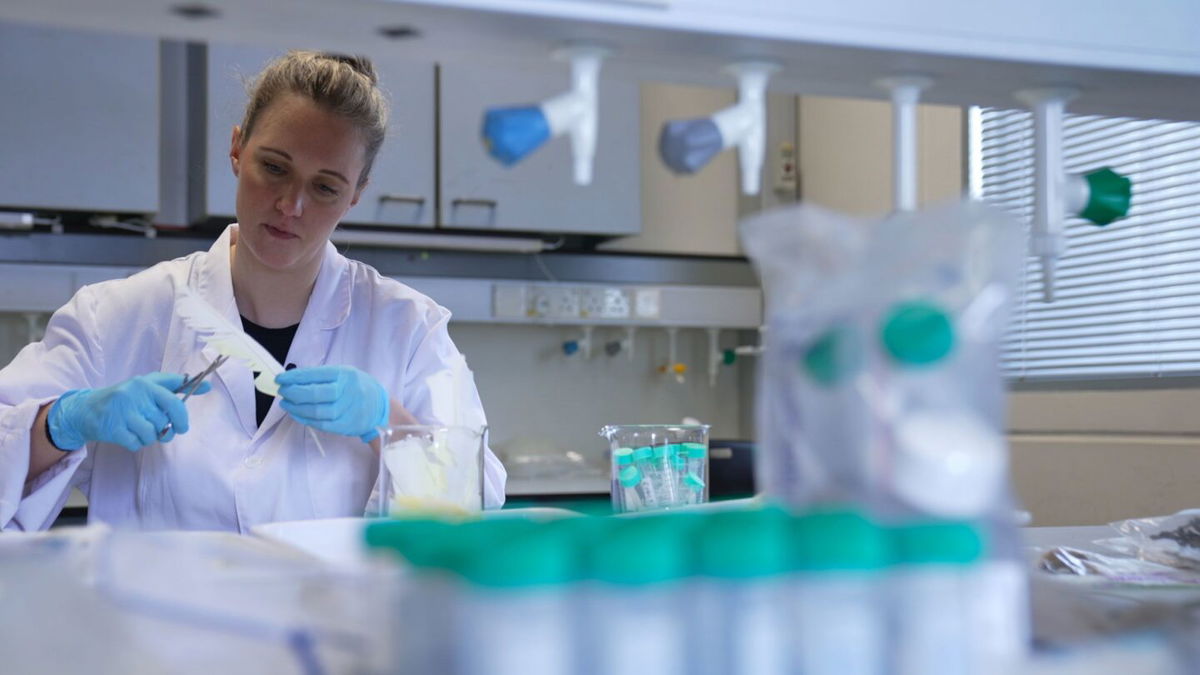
(220, 334)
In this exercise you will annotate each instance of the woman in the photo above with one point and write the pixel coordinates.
(85, 406)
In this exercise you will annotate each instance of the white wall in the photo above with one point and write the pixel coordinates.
(845, 154)
(694, 214)
(539, 400)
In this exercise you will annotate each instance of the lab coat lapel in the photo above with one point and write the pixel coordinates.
(327, 308)
(214, 283)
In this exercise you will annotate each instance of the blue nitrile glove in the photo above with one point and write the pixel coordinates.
(129, 414)
(338, 399)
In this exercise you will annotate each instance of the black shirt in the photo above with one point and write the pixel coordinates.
(277, 341)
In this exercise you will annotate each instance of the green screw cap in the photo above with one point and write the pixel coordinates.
(623, 456)
(952, 543)
(678, 461)
(693, 482)
(744, 544)
(629, 477)
(1109, 194)
(728, 357)
(917, 333)
(541, 556)
(833, 356)
(641, 550)
(695, 450)
(643, 453)
(434, 543)
(423, 543)
(838, 541)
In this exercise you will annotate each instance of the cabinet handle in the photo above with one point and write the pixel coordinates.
(488, 203)
(401, 198)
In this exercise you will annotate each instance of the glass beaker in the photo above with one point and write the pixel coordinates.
(657, 466)
(431, 468)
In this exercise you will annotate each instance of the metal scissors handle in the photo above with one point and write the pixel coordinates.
(190, 385)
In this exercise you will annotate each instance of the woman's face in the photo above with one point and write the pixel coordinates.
(297, 176)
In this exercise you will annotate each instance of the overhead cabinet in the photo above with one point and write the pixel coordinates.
(537, 195)
(79, 125)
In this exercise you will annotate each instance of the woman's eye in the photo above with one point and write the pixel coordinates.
(271, 167)
(327, 189)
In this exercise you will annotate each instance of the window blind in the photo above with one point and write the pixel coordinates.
(1127, 299)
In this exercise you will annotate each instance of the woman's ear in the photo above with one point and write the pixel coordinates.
(235, 150)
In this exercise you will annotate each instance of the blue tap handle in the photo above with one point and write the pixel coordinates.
(687, 145)
(512, 133)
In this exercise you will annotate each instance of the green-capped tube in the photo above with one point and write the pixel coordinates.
(638, 568)
(932, 588)
(514, 613)
(745, 592)
(622, 457)
(629, 479)
(840, 619)
(695, 472)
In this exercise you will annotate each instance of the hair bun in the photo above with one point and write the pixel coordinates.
(361, 64)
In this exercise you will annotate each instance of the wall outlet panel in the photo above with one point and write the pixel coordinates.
(596, 304)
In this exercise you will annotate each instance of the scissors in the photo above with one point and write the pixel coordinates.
(190, 385)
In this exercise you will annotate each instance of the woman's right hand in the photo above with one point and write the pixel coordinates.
(129, 414)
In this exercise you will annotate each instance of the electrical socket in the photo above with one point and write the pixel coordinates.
(616, 303)
(591, 303)
(646, 303)
(555, 302)
(510, 301)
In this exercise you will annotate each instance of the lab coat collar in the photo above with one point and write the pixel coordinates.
(329, 304)
(328, 307)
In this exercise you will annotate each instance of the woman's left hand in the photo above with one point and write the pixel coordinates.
(338, 399)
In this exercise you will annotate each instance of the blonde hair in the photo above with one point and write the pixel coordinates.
(344, 85)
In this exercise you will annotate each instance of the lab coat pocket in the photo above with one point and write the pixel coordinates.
(342, 478)
(186, 482)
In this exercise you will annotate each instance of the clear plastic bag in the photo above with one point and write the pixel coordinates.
(1172, 540)
(1120, 569)
(880, 383)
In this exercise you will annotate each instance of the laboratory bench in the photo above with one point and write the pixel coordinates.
(245, 591)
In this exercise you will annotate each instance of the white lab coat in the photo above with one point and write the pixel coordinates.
(226, 473)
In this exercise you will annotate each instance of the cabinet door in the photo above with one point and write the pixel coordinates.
(79, 122)
(400, 191)
(538, 194)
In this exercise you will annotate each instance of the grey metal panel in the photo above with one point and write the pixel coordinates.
(79, 123)
(538, 194)
(135, 251)
(403, 174)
